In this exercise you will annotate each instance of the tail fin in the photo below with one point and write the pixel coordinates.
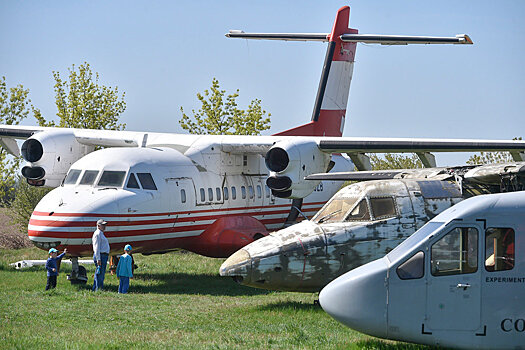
(328, 117)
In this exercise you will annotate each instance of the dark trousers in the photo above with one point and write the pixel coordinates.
(98, 282)
(51, 282)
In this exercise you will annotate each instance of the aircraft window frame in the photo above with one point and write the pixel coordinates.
(502, 258)
(111, 182)
(391, 214)
(465, 264)
(259, 191)
(336, 209)
(146, 181)
(267, 191)
(226, 194)
(243, 192)
(90, 181)
(234, 193)
(365, 216)
(218, 193)
(250, 192)
(412, 268)
(135, 185)
(203, 194)
(210, 194)
(183, 195)
(72, 173)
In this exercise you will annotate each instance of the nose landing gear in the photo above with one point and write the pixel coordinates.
(78, 273)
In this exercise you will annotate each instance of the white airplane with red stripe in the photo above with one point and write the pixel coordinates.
(209, 194)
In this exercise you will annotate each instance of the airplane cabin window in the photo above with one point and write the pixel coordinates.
(146, 180)
(226, 194)
(218, 192)
(259, 191)
(267, 190)
(360, 212)
(499, 249)
(243, 192)
(112, 178)
(455, 253)
(334, 210)
(250, 191)
(89, 177)
(413, 268)
(234, 192)
(183, 195)
(132, 182)
(210, 194)
(383, 207)
(72, 177)
(203, 195)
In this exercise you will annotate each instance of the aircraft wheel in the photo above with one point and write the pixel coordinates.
(81, 277)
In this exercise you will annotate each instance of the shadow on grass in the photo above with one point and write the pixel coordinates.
(290, 306)
(383, 345)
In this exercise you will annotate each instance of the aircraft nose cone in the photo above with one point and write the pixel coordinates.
(237, 266)
(358, 298)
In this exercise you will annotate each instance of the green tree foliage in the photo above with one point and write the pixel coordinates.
(25, 201)
(220, 115)
(14, 107)
(394, 161)
(491, 157)
(84, 103)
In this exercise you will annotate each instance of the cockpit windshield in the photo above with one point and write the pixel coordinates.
(72, 177)
(89, 177)
(112, 179)
(335, 210)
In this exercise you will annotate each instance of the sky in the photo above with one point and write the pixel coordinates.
(162, 53)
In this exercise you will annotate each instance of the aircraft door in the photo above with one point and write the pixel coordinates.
(181, 193)
(454, 282)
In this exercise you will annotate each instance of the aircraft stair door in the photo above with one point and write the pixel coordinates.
(454, 280)
(181, 194)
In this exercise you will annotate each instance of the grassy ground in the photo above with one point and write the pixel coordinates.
(176, 300)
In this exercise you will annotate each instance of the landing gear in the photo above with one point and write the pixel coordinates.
(78, 272)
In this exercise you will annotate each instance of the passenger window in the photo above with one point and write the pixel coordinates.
(183, 195)
(226, 196)
(267, 190)
(112, 178)
(203, 195)
(455, 253)
(413, 268)
(259, 191)
(89, 177)
(72, 177)
(132, 182)
(234, 193)
(383, 207)
(218, 192)
(499, 249)
(360, 212)
(243, 192)
(210, 194)
(250, 191)
(146, 180)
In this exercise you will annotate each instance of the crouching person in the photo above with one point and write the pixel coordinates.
(124, 270)
(52, 268)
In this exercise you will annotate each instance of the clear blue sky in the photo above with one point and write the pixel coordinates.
(161, 53)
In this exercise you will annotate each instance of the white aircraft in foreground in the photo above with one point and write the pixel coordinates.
(457, 282)
(206, 194)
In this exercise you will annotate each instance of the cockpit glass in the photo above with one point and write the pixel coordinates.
(112, 179)
(360, 212)
(335, 210)
(72, 177)
(89, 177)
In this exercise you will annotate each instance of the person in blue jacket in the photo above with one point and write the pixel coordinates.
(51, 267)
(124, 270)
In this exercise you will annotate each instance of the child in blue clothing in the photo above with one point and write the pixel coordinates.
(51, 267)
(124, 271)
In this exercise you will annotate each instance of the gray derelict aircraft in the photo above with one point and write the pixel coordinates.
(457, 282)
(362, 222)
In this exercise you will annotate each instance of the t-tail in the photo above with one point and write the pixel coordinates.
(328, 117)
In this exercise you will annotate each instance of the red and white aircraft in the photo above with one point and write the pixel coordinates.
(208, 194)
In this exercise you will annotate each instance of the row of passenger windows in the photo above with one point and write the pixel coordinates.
(457, 253)
(225, 193)
(110, 179)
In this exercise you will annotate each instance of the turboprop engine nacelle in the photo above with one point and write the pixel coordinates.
(49, 154)
(290, 162)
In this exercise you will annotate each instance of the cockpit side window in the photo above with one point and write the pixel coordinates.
(146, 180)
(455, 253)
(360, 212)
(89, 177)
(132, 182)
(383, 207)
(72, 177)
(499, 249)
(413, 268)
(112, 178)
(334, 210)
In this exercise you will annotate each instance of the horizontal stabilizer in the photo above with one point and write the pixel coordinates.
(278, 36)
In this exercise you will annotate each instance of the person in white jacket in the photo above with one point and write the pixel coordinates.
(100, 254)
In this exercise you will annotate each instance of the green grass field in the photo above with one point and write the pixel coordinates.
(176, 300)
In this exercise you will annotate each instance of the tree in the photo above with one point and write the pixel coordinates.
(219, 115)
(395, 161)
(14, 107)
(491, 157)
(83, 103)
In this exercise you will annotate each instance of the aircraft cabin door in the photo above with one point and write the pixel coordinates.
(182, 193)
(454, 280)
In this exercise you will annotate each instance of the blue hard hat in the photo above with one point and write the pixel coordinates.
(53, 250)
(127, 247)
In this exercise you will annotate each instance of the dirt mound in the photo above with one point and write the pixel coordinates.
(11, 236)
